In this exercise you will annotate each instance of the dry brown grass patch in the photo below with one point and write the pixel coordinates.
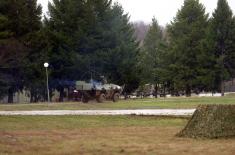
(110, 140)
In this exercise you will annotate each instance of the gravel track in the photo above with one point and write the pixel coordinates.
(160, 112)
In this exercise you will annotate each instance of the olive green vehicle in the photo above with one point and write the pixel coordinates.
(97, 91)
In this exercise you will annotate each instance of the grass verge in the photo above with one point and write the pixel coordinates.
(168, 103)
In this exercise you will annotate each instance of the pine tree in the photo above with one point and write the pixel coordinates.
(21, 18)
(66, 29)
(231, 55)
(186, 34)
(221, 37)
(4, 32)
(120, 54)
(151, 55)
(111, 49)
(99, 41)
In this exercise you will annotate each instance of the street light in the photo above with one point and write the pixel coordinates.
(46, 65)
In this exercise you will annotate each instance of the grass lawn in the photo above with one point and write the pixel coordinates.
(168, 103)
(102, 135)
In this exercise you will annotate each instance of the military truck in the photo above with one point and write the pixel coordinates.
(98, 91)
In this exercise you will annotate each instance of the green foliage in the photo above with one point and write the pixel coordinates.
(34, 71)
(220, 43)
(11, 56)
(151, 54)
(77, 37)
(186, 34)
(4, 33)
(194, 54)
(64, 29)
(19, 22)
(92, 38)
(119, 58)
(99, 39)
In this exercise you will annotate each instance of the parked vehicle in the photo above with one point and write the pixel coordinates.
(98, 91)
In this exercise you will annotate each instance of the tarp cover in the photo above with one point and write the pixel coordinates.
(211, 121)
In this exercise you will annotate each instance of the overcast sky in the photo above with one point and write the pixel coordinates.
(163, 10)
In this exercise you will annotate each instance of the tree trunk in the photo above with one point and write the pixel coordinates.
(222, 88)
(156, 90)
(125, 96)
(222, 69)
(164, 90)
(188, 91)
(61, 99)
(10, 95)
(31, 96)
(50, 95)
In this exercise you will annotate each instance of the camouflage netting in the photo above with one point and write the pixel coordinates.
(211, 121)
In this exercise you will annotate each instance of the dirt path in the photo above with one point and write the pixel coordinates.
(161, 112)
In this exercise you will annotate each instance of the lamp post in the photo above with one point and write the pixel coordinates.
(46, 65)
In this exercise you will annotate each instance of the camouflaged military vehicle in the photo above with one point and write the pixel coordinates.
(98, 91)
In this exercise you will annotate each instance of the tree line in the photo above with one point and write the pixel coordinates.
(76, 38)
(194, 53)
(93, 38)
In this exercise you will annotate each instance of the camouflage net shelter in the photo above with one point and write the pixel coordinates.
(211, 121)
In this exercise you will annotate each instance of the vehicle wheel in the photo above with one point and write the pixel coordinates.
(116, 97)
(101, 98)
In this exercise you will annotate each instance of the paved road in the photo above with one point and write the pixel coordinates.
(160, 112)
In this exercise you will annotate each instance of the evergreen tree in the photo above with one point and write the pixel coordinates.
(35, 41)
(120, 57)
(186, 34)
(231, 55)
(150, 52)
(99, 41)
(96, 37)
(65, 28)
(4, 33)
(21, 18)
(110, 48)
(35, 78)
(150, 56)
(221, 39)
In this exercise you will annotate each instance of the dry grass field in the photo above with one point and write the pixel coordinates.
(61, 135)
